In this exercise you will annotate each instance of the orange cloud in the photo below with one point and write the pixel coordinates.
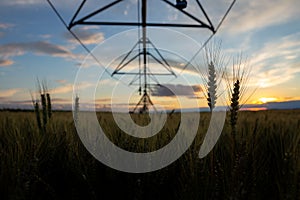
(8, 93)
(5, 63)
(68, 88)
(61, 81)
(86, 36)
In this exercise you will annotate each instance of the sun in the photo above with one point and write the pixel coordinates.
(267, 99)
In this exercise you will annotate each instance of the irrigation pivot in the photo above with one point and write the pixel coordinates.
(144, 74)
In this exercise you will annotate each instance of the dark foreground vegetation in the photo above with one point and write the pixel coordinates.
(261, 161)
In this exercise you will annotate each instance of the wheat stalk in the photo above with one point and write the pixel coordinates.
(237, 84)
(37, 114)
(234, 106)
(49, 106)
(213, 72)
(36, 111)
(44, 109)
(76, 109)
(45, 102)
(212, 86)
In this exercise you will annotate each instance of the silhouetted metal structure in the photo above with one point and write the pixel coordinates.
(180, 5)
(143, 52)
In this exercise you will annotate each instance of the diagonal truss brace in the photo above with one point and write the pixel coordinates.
(161, 60)
(198, 22)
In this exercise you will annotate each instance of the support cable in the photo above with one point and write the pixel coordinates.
(208, 39)
(80, 42)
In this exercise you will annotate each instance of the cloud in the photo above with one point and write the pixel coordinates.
(38, 48)
(21, 2)
(171, 90)
(57, 104)
(272, 65)
(5, 63)
(57, 3)
(277, 75)
(62, 89)
(249, 16)
(45, 36)
(8, 93)
(61, 81)
(86, 36)
(5, 25)
(46, 48)
(103, 100)
(69, 88)
(61, 101)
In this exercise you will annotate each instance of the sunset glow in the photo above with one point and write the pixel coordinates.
(267, 99)
(31, 50)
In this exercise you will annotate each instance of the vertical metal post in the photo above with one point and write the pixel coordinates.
(144, 38)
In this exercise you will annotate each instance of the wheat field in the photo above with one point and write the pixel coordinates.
(262, 161)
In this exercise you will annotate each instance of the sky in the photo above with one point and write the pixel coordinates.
(34, 44)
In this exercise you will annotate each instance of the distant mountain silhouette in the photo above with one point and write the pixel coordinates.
(286, 105)
(283, 105)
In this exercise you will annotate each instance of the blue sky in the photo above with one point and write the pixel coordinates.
(35, 44)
